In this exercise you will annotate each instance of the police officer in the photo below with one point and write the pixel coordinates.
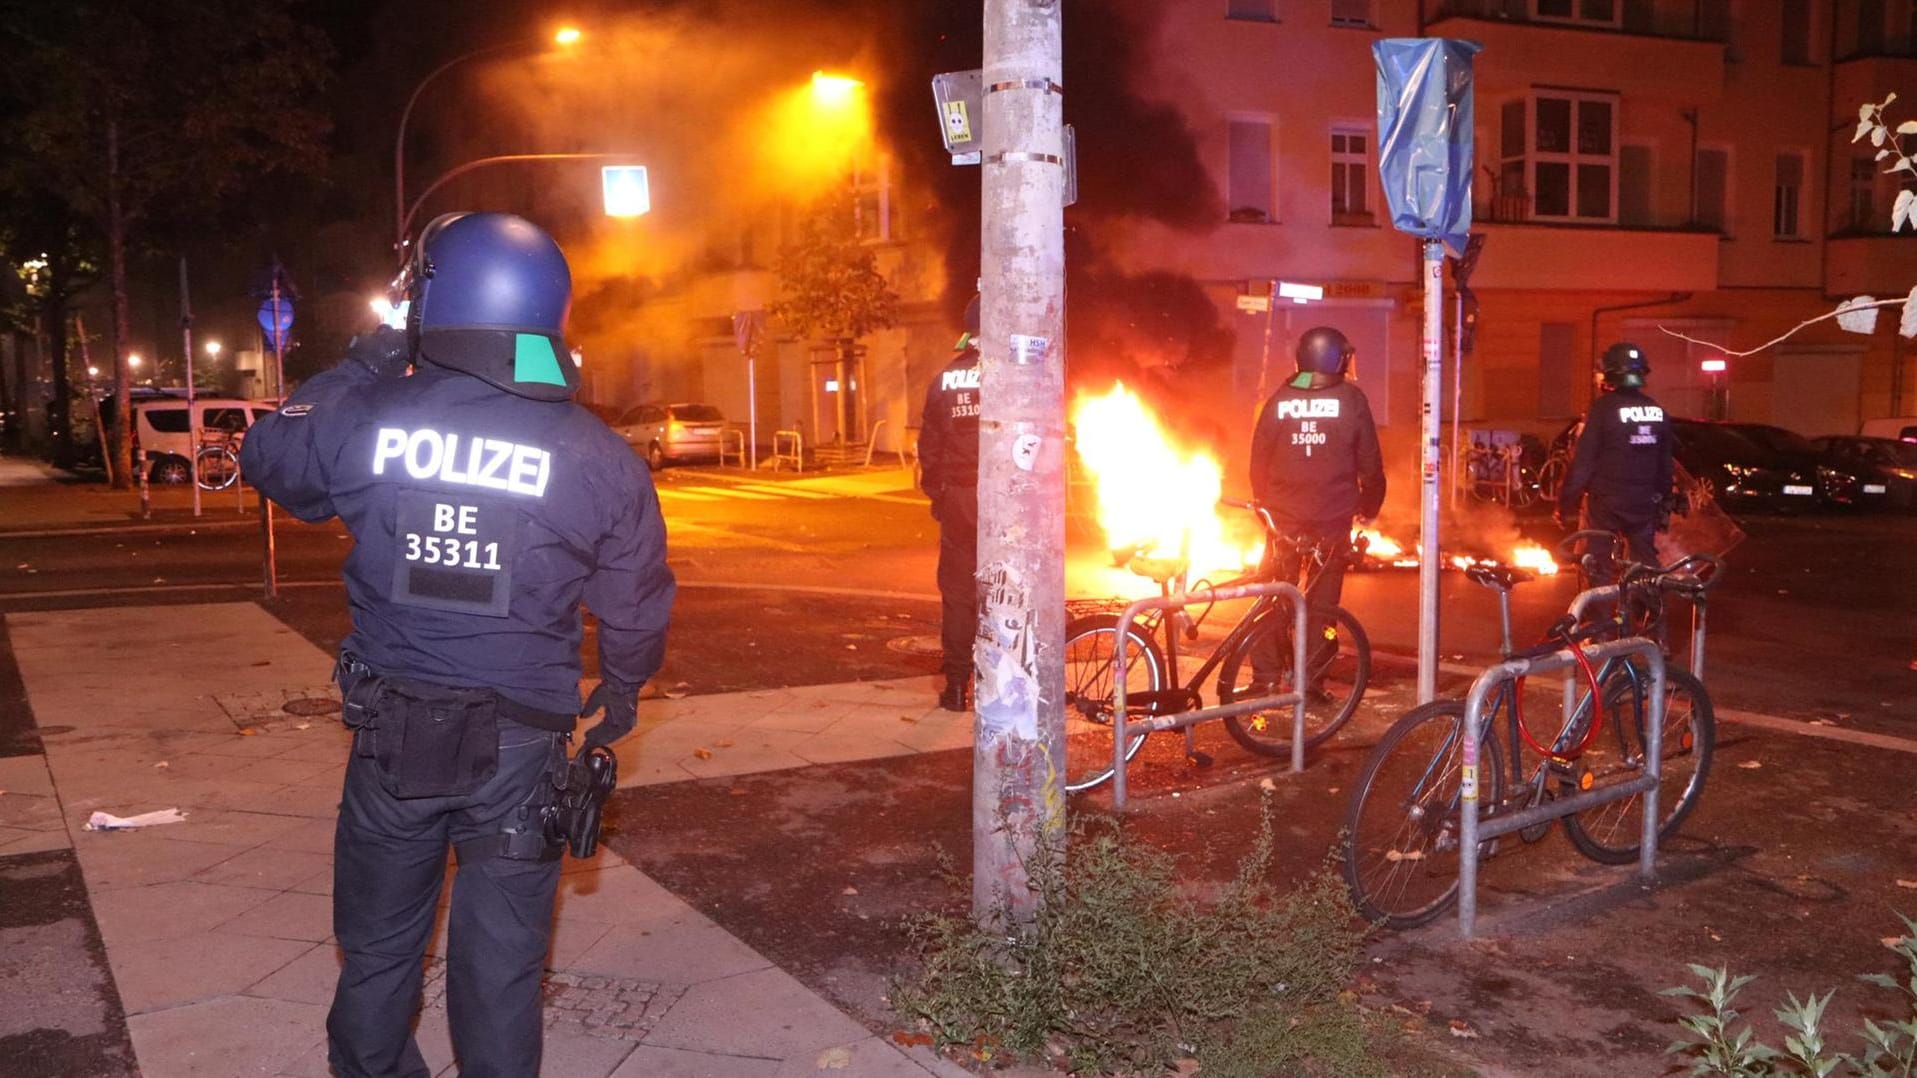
(1622, 461)
(485, 506)
(948, 474)
(1315, 465)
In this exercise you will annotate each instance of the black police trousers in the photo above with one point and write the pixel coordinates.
(1271, 663)
(1640, 535)
(958, 581)
(389, 863)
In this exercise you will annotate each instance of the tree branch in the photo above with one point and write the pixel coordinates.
(1789, 333)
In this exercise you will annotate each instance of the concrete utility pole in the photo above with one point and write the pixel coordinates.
(1018, 759)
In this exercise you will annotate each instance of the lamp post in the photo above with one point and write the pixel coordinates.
(406, 218)
(566, 36)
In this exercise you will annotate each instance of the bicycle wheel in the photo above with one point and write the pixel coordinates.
(1090, 662)
(1551, 478)
(1337, 669)
(1612, 833)
(1402, 827)
(215, 468)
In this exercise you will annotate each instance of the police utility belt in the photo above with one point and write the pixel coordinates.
(430, 740)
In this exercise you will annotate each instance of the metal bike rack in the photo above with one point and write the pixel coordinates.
(1700, 615)
(872, 442)
(732, 443)
(1184, 719)
(1472, 831)
(788, 446)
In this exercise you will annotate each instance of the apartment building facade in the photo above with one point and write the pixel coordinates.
(1643, 165)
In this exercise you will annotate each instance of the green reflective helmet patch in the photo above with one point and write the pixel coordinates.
(535, 361)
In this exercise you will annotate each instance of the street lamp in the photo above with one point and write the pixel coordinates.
(213, 349)
(834, 91)
(406, 219)
(565, 37)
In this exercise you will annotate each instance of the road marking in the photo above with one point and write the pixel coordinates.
(782, 492)
(689, 495)
(813, 589)
(132, 529)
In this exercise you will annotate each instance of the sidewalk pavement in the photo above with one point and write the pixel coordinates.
(217, 930)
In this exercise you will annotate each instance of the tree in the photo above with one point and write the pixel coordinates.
(54, 257)
(142, 117)
(832, 286)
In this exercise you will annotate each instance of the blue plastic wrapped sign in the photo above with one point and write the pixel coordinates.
(1424, 134)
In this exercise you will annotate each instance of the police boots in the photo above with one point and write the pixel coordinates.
(957, 695)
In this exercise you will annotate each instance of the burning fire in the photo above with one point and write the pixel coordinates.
(1535, 558)
(1153, 497)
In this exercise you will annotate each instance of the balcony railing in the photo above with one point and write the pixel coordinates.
(1688, 22)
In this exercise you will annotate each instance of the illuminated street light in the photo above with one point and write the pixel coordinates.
(1712, 366)
(213, 349)
(133, 360)
(93, 372)
(834, 91)
(625, 190)
(567, 35)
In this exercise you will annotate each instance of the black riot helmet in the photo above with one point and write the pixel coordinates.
(1325, 354)
(489, 294)
(969, 339)
(1624, 364)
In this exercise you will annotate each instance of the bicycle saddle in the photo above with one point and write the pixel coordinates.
(1498, 577)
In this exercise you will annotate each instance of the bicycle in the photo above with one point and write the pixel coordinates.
(216, 464)
(1338, 668)
(1402, 825)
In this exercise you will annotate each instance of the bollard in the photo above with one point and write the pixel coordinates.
(268, 558)
(146, 498)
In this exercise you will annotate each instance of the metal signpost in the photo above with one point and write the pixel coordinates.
(276, 321)
(192, 410)
(1425, 163)
(748, 328)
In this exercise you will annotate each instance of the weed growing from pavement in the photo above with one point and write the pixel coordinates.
(1717, 1045)
(1123, 971)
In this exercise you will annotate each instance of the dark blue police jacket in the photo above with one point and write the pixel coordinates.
(480, 522)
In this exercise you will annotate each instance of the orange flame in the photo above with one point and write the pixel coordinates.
(1535, 558)
(1153, 497)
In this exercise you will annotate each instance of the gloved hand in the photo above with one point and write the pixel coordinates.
(383, 351)
(621, 705)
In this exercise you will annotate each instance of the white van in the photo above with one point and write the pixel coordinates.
(1902, 428)
(160, 428)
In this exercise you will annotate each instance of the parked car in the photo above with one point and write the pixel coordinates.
(1885, 463)
(665, 433)
(1902, 428)
(160, 428)
(1740, 473)
(1835, 485)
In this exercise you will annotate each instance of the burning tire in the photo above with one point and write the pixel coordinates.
(1090, 666)
(1337, 669)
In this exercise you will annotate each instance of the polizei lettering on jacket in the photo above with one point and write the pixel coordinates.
(473, 462)
(1640, 413)
(1308, 408)
(965, 378)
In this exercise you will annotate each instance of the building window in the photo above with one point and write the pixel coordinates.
(874, 203)
(1870, 27)
(1249, 171)
(1863, 191)
(1587, 12)
(1712, 189)
(1354, 13)
(1257, 10)
(1788, 197)
(1797, 26)
(1561, 150)
(1350, 176)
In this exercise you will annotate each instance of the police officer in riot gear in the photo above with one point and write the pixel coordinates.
(948, 474)
(485, 506)
(1315, 466)
(1622, 467)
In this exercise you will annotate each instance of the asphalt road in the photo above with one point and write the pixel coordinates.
(1815, 622)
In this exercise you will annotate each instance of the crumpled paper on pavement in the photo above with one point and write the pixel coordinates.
(106, 821)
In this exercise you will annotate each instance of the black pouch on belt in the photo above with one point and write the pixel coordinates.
(434, 740)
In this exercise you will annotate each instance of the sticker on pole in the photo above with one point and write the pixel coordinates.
(1468, 782)
(1029, 350)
